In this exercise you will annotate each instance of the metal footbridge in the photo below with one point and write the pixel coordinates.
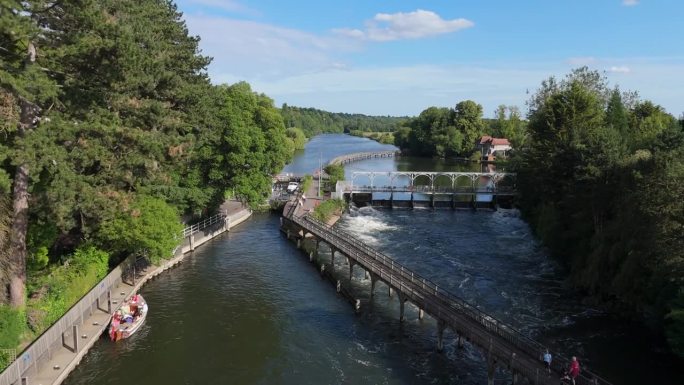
(501, 345)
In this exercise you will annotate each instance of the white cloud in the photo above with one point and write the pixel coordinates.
(630, 3)
(411, 25)
(619, 69)
(252, 50)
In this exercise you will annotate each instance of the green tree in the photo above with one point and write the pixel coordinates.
(297, 137)
(27, 93)
(509, 124)
(150, 227)
(468, 120)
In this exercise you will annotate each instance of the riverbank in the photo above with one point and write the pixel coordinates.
(51, 357)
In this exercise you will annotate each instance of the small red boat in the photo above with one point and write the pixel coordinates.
(128, 319)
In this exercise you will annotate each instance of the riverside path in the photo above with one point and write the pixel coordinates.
(501, 345)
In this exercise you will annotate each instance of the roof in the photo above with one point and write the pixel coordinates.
(494, 141)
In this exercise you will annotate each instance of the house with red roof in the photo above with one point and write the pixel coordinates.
(491, 147)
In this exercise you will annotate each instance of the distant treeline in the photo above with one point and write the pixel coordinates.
(313, 121)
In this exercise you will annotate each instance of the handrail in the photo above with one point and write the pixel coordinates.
(348, 158)
(443, 298)
(197, 227)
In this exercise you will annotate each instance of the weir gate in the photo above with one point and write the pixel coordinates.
(501, 345)
(429, 189)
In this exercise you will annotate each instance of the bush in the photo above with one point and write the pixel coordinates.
(327, 209)
(306, 183)
(12, 325)
(57, 291)
(335, 173)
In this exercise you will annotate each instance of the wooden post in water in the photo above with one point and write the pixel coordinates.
(440, 335)
(402, 302)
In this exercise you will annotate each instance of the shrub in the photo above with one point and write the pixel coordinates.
(306, 183)
(12, 325)
(327, 209)
(57, 291)
(335, 173)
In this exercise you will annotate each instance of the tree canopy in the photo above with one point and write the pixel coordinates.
(110, 130)
(607, 202)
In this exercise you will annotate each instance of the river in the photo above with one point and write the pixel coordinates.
(248, 308)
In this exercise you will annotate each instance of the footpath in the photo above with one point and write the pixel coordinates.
(50, 359)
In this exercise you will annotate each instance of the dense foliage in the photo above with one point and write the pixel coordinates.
(297, 136)
(314, 122)
(453, 132)
(335, 173)
(109, 131)
(601, 180)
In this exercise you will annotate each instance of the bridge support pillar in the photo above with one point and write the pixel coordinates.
(491, 369)
(332, 258)
(421, 314)
(366, 275)
(432, 200)
(390, 291)
(411, 199)
(192, 242)
(351, 268)
(515, 378)
(299, 243)
(311, 256)
(460, 341)
(322, 268)
(453, 201)
(440, 335)
(391, 200)
(402, 305)
(374, 279)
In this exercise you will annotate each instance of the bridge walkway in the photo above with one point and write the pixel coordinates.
(501, 344)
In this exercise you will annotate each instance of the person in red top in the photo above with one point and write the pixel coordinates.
(574, 370)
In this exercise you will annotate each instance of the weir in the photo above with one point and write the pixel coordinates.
(440, 189)
(502, 346)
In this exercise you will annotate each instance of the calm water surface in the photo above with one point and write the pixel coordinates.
(248, 308)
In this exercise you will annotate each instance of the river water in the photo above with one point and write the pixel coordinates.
(249, 308)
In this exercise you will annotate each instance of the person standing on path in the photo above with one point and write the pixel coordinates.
(574, 369)
(547, 360)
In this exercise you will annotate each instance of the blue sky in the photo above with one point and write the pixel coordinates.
(399, 57)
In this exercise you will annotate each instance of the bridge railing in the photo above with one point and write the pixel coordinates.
(197, 227)
(348, 158)
(429, 189)
(529, 346)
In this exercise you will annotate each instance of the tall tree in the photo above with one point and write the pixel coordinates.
(468, 120)
(25, 83)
